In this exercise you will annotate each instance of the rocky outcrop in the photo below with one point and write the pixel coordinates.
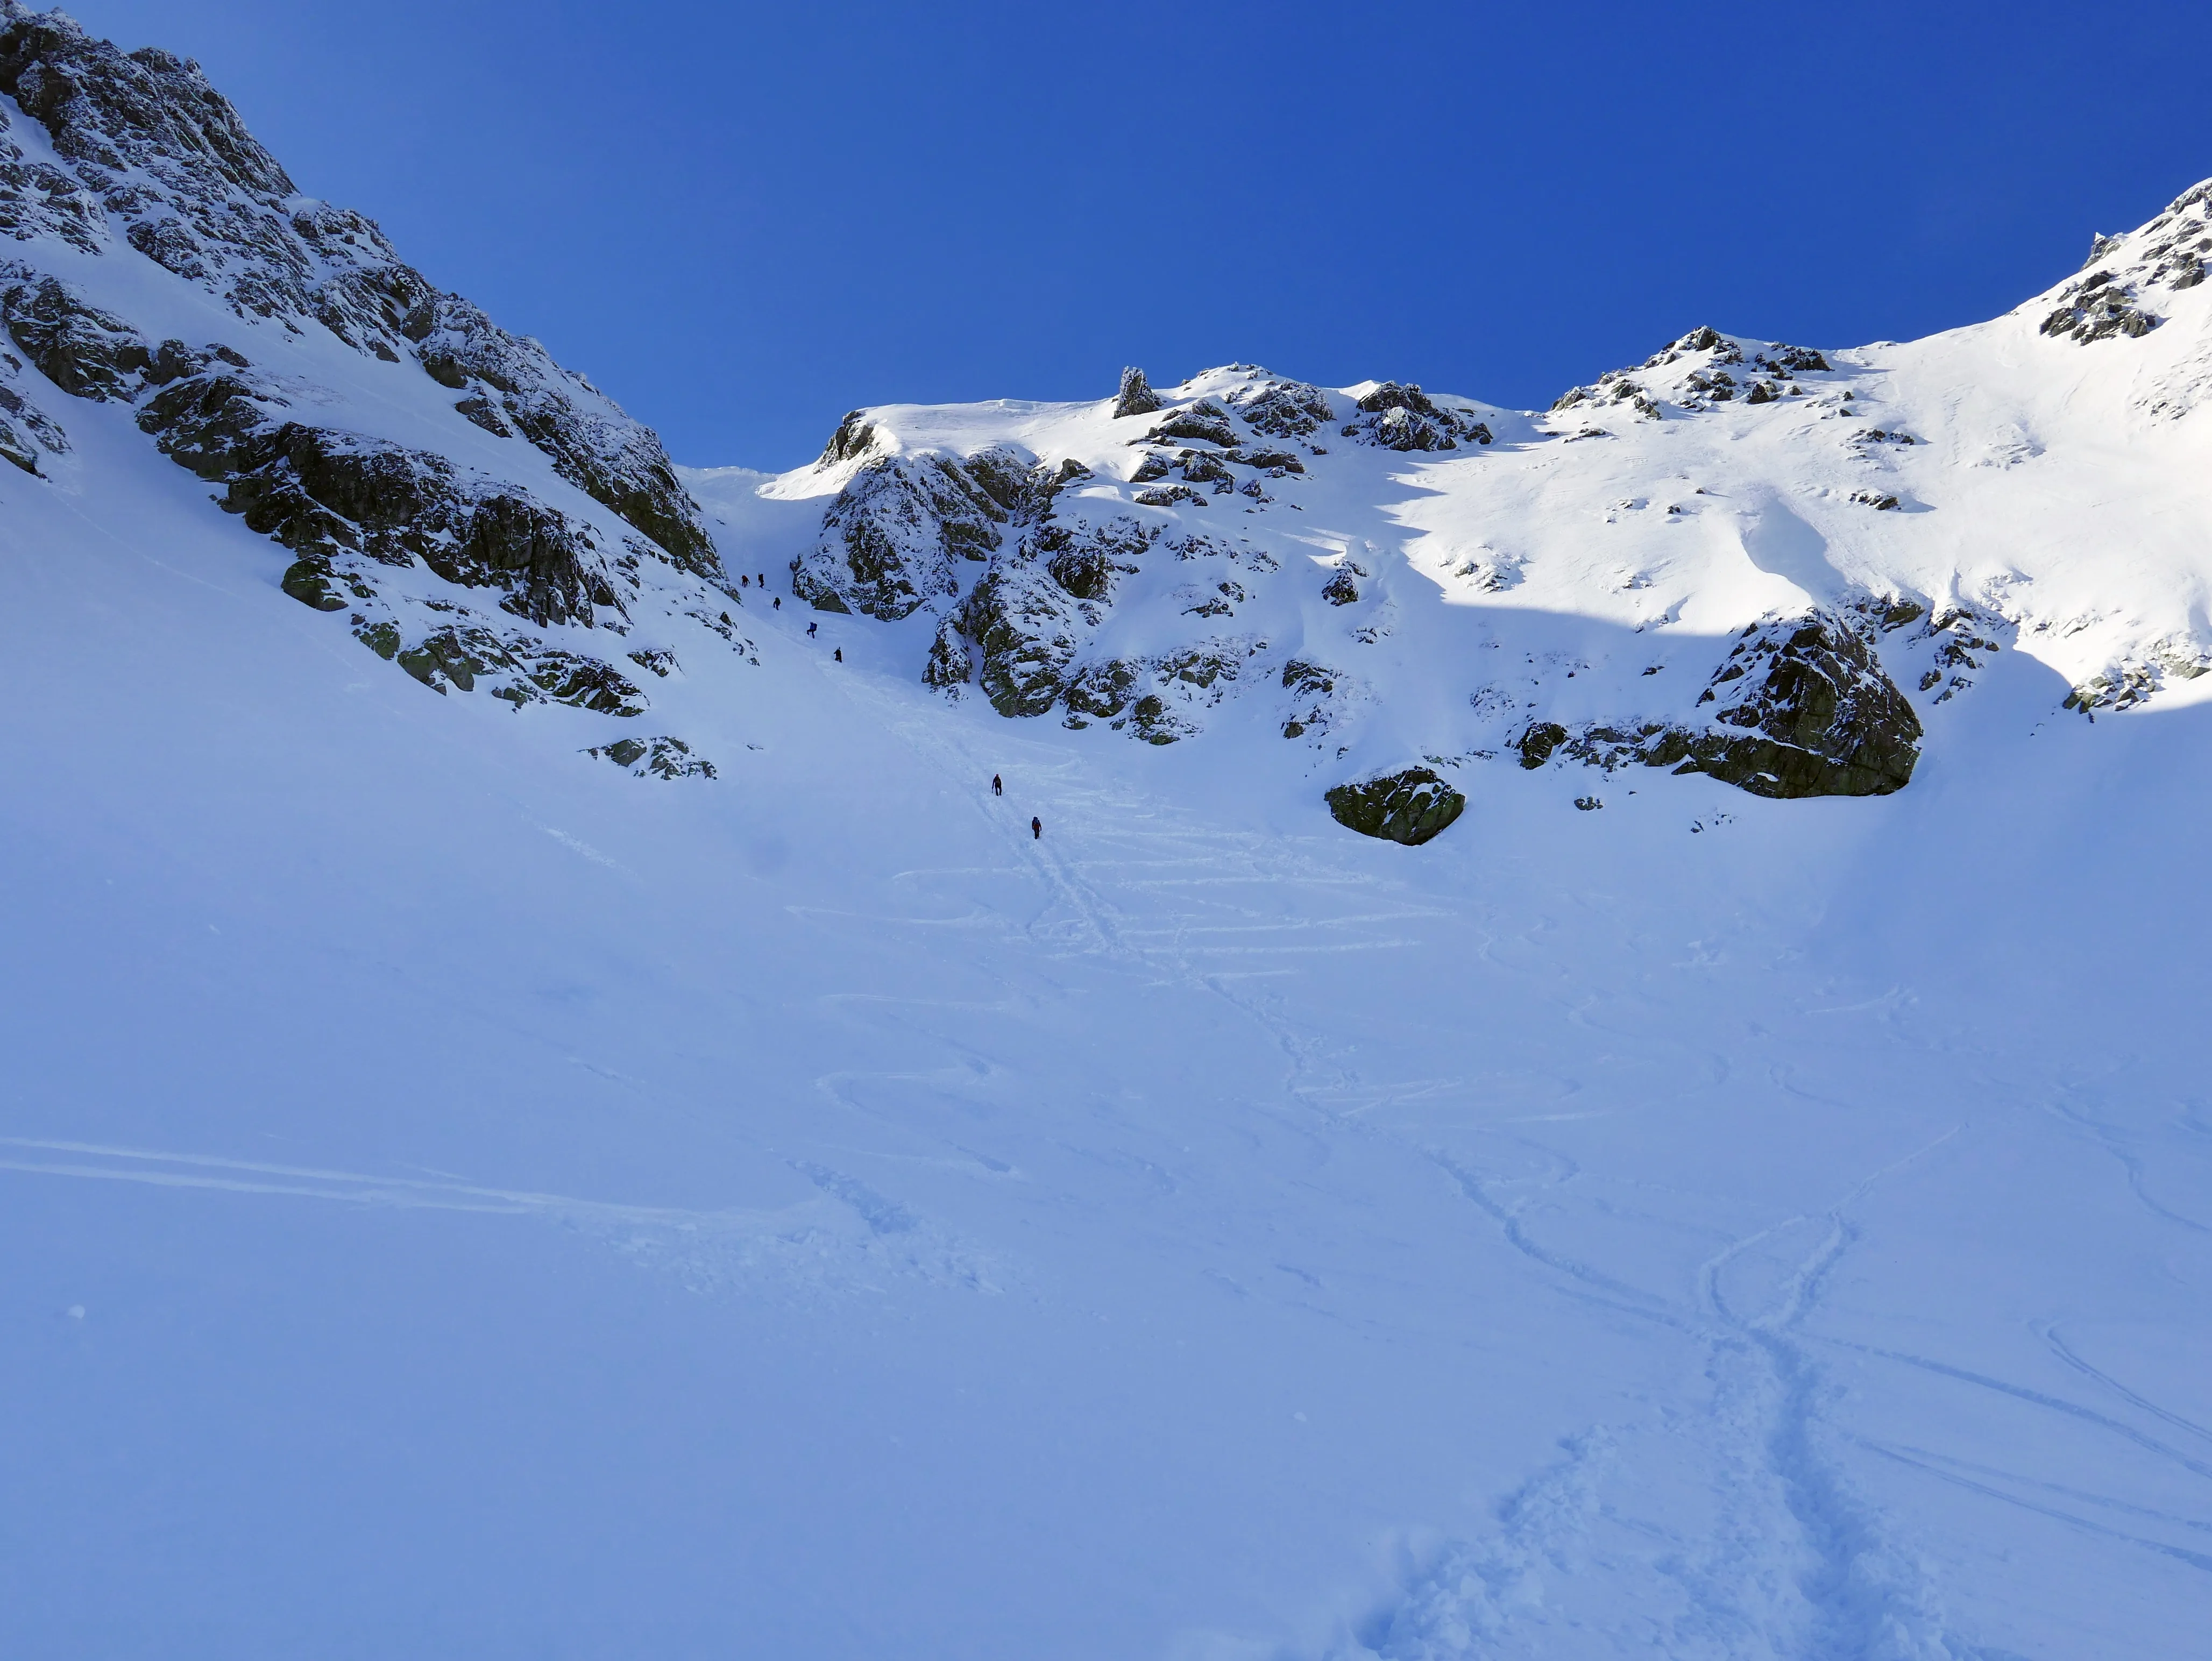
(78, 349)
(854, 437)
(326, 494)
(654, 758)
(1284, 409)
(515, 668)
(2097, 307)
(1024, 636)
(616, 461)
(1817, 714)
(891, 540)
(355, 510)
(1411, 806)
(898, 535)
(1155, 697)
(2177, 244)
(1803, 708)
(1029, 616)
(1204, 423)
(1394, 417)
(137, 150)
(86, 351)
(27, 431)
(2116, 686)
(1136, 396)
(2113, 297)
(1694, 373)
(1316, 698)
(336, 499)
(149, 152)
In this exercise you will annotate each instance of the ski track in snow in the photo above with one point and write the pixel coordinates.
(803, 1247)
(1786, 1553)
(1799, 1564)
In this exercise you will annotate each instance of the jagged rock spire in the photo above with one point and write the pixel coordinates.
(1137, 397)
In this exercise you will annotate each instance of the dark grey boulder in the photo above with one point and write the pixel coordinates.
(1411, 806)
(1816, 716)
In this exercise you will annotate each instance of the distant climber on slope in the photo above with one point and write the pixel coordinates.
(810, 630)
(997, 787)
(839, 654)
(1036, 829)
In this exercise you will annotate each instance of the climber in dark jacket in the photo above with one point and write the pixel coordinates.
(810, 627)
(1036, 829)
(997, 789)
(840, 654)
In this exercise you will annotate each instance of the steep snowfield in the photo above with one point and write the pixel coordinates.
(461, 1198)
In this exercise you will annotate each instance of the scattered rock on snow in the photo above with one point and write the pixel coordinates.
(2097, 307)
(654, 758)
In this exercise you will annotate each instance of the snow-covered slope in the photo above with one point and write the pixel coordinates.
(457, 1198)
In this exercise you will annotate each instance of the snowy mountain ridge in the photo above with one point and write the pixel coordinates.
(1846, 536)
(1766, 563)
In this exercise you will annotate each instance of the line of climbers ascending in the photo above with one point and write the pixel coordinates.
(1037, 825)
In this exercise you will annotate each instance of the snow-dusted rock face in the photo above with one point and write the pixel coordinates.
(145, 150)
(1769, 563)
(2116, 293)
(158, 258)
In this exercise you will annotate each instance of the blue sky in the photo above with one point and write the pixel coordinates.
(743, 220)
